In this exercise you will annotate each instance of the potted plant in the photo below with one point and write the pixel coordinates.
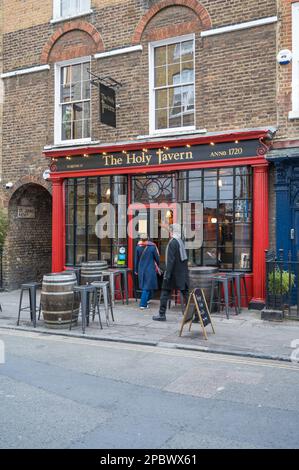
(279, 284)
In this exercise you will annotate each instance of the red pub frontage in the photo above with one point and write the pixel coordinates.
(226, 172)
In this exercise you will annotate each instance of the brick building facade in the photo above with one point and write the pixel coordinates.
(233, 79)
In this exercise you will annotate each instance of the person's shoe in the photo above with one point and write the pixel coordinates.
(159, 317)
(143, 308)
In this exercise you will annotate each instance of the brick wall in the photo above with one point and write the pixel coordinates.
(288, 128)
(235, 72)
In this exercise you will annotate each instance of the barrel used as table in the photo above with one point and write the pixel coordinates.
(57, 298)
(200, 276)
(91, 271)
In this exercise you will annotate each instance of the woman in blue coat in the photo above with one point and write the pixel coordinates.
(146, 265)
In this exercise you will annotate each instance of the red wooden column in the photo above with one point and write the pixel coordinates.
(57, 225)
(260, 233)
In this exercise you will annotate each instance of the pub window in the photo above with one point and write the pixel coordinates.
(69, 8)
(82, 198)
(226, 195)
(172, 82)
(72, 114)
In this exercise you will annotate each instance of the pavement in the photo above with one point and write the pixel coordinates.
(242, 335)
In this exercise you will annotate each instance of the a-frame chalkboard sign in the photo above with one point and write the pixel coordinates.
(197, 304)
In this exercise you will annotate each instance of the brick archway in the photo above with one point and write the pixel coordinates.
(28, 248)
(194, 5)
(69, 27)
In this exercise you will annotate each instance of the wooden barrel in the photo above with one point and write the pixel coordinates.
(200, 277)
(56, 299)
(91, 271)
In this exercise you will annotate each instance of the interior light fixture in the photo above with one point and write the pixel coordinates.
(213, 220)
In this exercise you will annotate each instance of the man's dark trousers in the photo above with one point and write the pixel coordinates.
(165, 296)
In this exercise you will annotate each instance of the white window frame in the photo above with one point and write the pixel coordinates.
(295, 62)
(58, 112)
(57, 12)
(152, 116)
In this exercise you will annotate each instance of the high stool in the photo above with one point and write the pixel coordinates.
(174, 296)
(31, 287)
(104, 288)
(113, 275)
(85, 293)
(225, 281)
(238, 277)
(125, 273)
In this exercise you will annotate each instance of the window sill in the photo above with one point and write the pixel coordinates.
(73, 143)
(294, 115)
(174, 133)
(67, 18)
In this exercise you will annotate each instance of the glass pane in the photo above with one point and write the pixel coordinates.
(76, 73)
(93, 253)
(242, 258)
(86, 129)
(225, 184)
(187, 48)
(243, 234)
(188, 98)
(67, 112)
(210, 188)
(160, 76)
(195, 189)
(80, 254)
(210, 255)
(160, 56)
(77, 111)
(66, 76)
(210, 233)
(86, 90)
(66, 132)
(175, 121)
(243, 186)
(76, 92)
(77, 130)
(69, 254)
(225, 254)
(92, 217)
(161, 119)
(86, 110)
(65, 93)
(161, 99)
(174, 74)
(173, 53)
(187, 74)
(86, 68)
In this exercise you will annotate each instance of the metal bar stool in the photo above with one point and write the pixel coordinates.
(31, 287)
(174, 296)
(238, 277)
(103, 288)
(85, 293)
(224, 281)
(125, 273)
(113, 274)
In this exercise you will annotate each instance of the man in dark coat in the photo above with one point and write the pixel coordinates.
(176, 275)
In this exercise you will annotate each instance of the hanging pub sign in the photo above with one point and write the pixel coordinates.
(197, 304)
(107, 105)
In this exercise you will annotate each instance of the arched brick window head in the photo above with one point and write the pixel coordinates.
(73, 39)
(194, 5)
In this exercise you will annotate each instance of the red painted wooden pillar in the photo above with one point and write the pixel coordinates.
(57, 225)
(260, 233)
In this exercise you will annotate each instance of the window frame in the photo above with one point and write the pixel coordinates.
(57, 16)
(294, 113)
(58, 107)
(152, 112)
